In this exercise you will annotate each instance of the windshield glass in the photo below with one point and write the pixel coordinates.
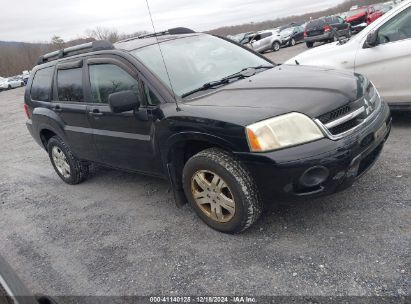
(196, 60)
(287, 32)
(355, 12)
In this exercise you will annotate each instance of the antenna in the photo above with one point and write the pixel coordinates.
(162, 56)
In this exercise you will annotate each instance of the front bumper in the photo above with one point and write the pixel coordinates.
(279, 173)
(285, 42)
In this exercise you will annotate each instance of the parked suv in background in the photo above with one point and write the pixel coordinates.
(266, 41)
(228, 128)
(326, 29)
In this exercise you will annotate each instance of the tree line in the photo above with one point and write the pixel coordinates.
(16, 57)
(270, 24)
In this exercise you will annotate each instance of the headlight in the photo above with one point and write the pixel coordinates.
(282, 131)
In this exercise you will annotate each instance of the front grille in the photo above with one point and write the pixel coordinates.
(344, 127)
(335, 114)
(342, 120)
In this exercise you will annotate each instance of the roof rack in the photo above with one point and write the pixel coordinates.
(173, 31)
(93, 46)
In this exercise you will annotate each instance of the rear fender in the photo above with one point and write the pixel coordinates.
(46, 119)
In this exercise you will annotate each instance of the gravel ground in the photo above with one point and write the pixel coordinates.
(121, 234)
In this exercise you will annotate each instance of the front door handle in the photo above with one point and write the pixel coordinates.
(95, 112)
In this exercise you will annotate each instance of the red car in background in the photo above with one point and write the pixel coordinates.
(361, 17)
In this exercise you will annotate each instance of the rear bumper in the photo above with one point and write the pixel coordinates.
(322, 37)
(282, 174)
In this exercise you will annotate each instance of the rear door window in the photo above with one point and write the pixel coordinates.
(70, 85)
(41, 87)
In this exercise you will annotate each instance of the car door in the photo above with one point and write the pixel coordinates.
(265, 42)
(68, 103)
(388, 63)
(255, 42)
(123, 140)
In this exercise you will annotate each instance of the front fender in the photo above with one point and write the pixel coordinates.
(195, 136)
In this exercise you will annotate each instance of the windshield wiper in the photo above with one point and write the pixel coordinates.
(244, 73)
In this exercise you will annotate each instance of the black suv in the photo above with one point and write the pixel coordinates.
(326, 29)
(228, 128)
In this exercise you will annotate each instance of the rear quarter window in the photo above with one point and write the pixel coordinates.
(41, 86)
(70, 85)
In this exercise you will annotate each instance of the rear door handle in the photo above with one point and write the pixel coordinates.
(95, 112)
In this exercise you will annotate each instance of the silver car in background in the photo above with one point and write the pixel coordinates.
(266, 40)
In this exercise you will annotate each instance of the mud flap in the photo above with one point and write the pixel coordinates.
(176, 186)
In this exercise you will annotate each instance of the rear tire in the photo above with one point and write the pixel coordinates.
(221, 191)
(292, 42)
(70, 169)
(276, 46)
(349, 33)
(309, 44)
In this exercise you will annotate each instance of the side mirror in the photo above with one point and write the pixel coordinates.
(123, 101)
(372, 40)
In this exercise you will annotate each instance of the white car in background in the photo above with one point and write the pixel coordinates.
(382, 52)
(11, 83)
(266, 40)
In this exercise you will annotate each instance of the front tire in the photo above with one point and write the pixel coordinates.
(276, 46)
(70, 169)
(292, 42)
(221, 191)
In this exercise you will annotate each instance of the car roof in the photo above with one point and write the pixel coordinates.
(137, 43)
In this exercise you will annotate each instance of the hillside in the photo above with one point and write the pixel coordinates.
(269, 24)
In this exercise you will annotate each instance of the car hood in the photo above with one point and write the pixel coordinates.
(316, 53)
(356, 16)
(309, 90)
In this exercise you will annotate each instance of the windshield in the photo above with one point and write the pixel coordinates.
(287, 32)
(356, 12)
(196, 60)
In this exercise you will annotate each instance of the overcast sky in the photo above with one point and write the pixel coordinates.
(39, 20)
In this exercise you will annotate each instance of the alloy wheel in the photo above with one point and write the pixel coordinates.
(60, 161)
(213, 196)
